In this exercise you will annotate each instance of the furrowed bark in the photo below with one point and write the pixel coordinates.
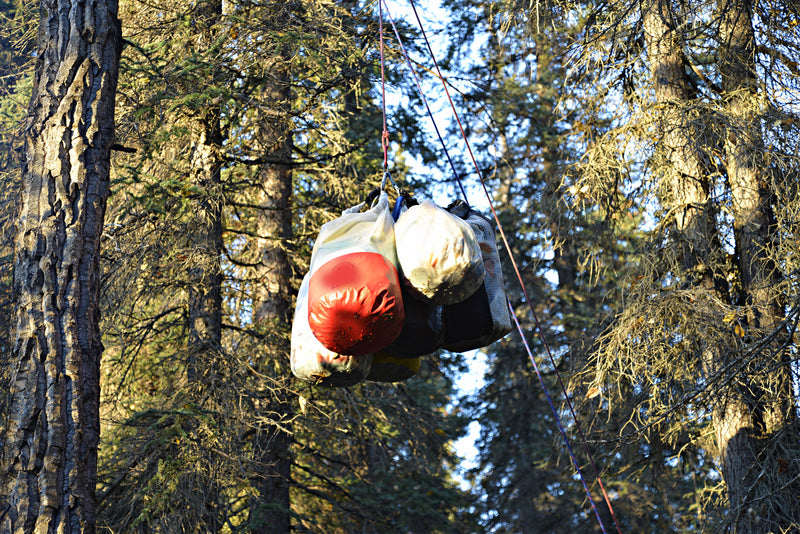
(51, 431)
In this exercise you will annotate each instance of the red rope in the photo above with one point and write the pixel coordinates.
(385, 133)
(518, 274)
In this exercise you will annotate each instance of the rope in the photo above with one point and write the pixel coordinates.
(519, 275)
(555, 413)
(425, 101)
(385, 133)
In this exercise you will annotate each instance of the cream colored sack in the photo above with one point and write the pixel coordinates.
(355, 302)
(438, 253)
(312, 362)
(357, 231)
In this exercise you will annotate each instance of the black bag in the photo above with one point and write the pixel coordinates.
(482, 318)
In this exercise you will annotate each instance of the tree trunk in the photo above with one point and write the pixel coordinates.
(688, 187)
(51, 434)
(205, 296)
(205, 275)
(772, 407)
(686, 182)
(754, 219)
(272, 310)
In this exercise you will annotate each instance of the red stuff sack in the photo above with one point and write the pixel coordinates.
(482, 318)
(355, 306)
(312, 362)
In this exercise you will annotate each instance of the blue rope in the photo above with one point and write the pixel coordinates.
(388, 176)
(425, 101)
(508, 248)
(558, 419)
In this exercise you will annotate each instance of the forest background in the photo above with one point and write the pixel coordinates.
(643, 161)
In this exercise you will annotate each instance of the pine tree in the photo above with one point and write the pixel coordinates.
(702, 340)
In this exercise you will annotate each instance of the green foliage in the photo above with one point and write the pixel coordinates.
(192, 431)
(651, 315)
(383, 458)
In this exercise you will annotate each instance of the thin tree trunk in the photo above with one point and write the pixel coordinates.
(205, 275)
(205, 297)
(754, 219)
(272, 310)
(205, 291)
(687, 184)
(51, 433)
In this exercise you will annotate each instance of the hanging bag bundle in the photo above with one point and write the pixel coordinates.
(312, 362)
(355, 306)
(482, 318)
(438, 254)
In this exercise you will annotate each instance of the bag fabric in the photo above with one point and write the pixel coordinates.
(482, 318)
(423, 330)
(312, 362)
(355, 305)
(386, 368)
(438, 254)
